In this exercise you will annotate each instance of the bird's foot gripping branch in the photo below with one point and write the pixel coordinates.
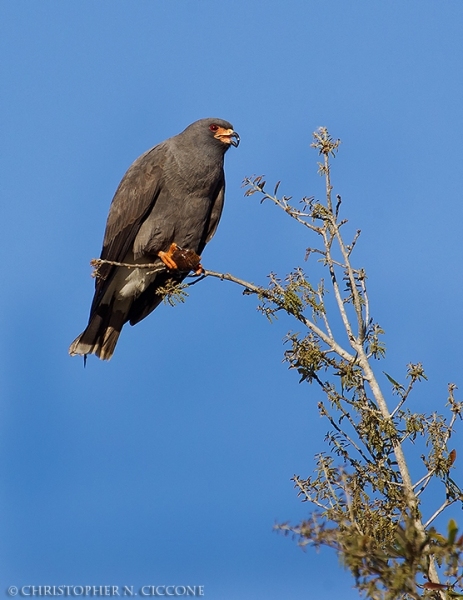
(175, 259)
(181, 259)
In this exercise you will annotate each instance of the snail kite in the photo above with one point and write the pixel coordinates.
(165, 210)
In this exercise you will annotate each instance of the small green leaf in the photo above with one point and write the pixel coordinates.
(452, 528)
(393, 381)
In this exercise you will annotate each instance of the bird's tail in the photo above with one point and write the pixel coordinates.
(100, 337)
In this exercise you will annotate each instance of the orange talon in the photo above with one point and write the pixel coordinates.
(166, 257)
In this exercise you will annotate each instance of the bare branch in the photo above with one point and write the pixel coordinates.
(438, 512)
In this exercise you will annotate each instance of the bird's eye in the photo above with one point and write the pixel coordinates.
(213, 127)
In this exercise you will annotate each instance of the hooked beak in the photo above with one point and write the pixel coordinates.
(234, 139)
(228, 136)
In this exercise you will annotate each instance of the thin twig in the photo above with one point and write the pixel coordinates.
(438, 512)
(404, 397)
(324, 316)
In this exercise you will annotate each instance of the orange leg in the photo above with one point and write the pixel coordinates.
(167, 257)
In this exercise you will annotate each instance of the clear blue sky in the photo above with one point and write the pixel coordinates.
(141, 471)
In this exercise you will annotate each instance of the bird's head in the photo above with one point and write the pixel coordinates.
(218, 131)
(224, 132)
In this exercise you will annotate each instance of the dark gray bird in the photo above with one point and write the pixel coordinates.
(165, 210)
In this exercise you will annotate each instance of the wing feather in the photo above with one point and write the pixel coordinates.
(132, 203)
(216, 212)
